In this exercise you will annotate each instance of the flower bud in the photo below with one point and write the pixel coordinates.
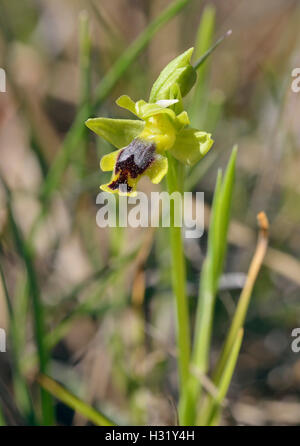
(179, 71)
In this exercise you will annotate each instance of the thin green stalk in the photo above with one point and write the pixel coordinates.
(84, 57)
(212, 409)
(215, 260)
(211, 271)
(202, 59)
(74, 402)
(26, 254)
(47, 404)
(179, 283)
(226, 363)
(20, 386)
(244, 300)
(206, 106)
(106, 277)
(85, 85)
(203, 44)
(203, 326)
(2, 418)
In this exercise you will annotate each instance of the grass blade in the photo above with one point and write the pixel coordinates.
(242, 307)
(203, 43)
(20, 386)
(217, 243)
(75, 403)
(85, 44)
(225, 366)
(211, 413)
(108, 275)
(2, 419)
(25, 253)
(221, 229)
(203, 58)
(212, 267)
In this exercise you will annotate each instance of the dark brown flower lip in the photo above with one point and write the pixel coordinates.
(122, 181)
(132, 161)
(135, 158)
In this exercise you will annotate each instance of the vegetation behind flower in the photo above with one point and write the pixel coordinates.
(88, 312)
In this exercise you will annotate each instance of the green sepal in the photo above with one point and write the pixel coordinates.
(175, 93)
(178, 71)
(191, 145)
(118, 132)
(143, 109)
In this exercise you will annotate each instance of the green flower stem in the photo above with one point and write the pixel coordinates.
(175, 184)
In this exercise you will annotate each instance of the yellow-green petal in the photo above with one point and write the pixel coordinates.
(126, 102)
(158, 169)
(132, 193)
(118, 132)
(182, 120)
(146, 110)
(191, 145)
(143, 109)
(108, 161)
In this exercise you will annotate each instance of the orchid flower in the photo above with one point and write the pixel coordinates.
(163, 126)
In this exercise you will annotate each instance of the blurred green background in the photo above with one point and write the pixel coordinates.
(106, 296)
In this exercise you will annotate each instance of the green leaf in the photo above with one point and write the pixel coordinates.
(191, 145)
(118, 132)
(179, 71)
(211, 270)
(224, 209)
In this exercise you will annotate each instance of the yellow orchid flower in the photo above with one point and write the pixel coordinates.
(163, 126)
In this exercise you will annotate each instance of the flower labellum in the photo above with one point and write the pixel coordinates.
(132, 162)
